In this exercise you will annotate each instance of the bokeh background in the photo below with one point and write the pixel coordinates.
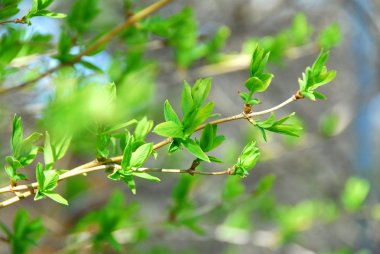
(304, 208)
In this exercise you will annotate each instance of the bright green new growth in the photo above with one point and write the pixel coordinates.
(316, 76)
(24, 151)
(25, 232)
(195, 111)
(258, 80)
(247, 159)
(279, 126)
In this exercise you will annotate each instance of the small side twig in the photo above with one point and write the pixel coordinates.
(15, 21)
(95, 46)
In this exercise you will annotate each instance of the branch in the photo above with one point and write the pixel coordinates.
(16, 21)
(111, 163)
(96, 45)
(32, 187)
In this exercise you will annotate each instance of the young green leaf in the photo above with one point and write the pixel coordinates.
(354, 194)
(9, 8)
(102, 145)
(170, 114)
(48, 152)
(207, 137)
(50, 181)
(330, 37)
(249, 156)
(200, 91)
(119, 126)
(146, 176)
(141, 155)
(195, 149)
(142, 129)
(17, 134)
(316, 76)
(56, 197)
(195, 118)
(25, 233)
(127, 154)
(169, 129)
(128, 179)
(187, 103)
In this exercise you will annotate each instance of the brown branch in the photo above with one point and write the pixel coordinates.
(72, 173)
(93, 47)
(97, 165)
(15, 21)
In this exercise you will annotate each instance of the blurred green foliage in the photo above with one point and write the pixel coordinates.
(102, 108)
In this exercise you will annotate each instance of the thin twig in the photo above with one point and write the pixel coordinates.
(15, 21)
(97, 165)
(69, 174)
(95, 46)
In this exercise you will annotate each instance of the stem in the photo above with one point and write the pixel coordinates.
(96, 165)
(103, 167)
(96, 45)
(16, 21)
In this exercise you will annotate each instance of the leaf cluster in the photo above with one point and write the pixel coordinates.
(258, 80)
(25, 233)
(316, 76)
(195, 112)
(298, 35)
(279, 126)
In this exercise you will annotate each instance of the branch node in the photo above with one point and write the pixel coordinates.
(298, 95)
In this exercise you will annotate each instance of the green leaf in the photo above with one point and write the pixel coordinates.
(195, 149)
(127, 154)
(17, 134)
(142, 129)
(56, 197)
(64, 46)
(102, 144)
(320, 62)
(192, 120)
(291, 129)
(267, 122)
(81, 15)
(61, 146)
(128, 179)
(253, 84)
(46, 13)
(90, 66)
(170, 114)
(354, 194)
(141, 155)
(146, 176)
(258, 61)
(233, 188)
(40, 176)
(51, 180)
(316, 76)
(187, 103)
(265, 184)
(207, 137)
(200, 91)
(249, 156)
(330, 37)
(329, 124)
(42, 4)
(48, 152)
(301, 31)
(169, 129)
(9, 8)
(26, 232)
(244, 96)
